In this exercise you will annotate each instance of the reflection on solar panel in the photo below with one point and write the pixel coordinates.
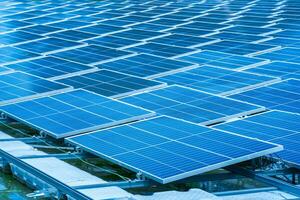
(274, 126)
(217, 80)
(19, 86)
(93, 54)
(144, 65)
(284, 70)
(223, 60)
(73, 112)
(110, 83)
(192, 105)
(9, 55)
(50, 67)
(167, 149)
(281, 96)
(49, 45)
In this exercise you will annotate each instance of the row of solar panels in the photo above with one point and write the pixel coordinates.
(67, 41)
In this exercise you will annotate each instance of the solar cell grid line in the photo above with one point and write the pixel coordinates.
(223, 60)
(19, 86)
(51, 68)
(275, 126)
(69, 24)
(192, 32)
(206, 26)
(110, 83)
(240, 37)
(281, 96)
(217, 80)
(184, 40)
(14, 24)
(147, 66)
(284, 42)
(93, 55)
(192, 105)
(167, 149)
(10, 55)
(284, 70)
(73, 112)
(50, 45)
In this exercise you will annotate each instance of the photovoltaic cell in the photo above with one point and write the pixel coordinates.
(113, 42)
(17, 37)
(167, 149)
(41, 29)
(50, 67)
(139, 34)
(274, 126)
(73, 112)
(223, 60)
(192, 105)
(217, 80)
(281, 96)
(284, 54)
(145, 65)
(18, 86)
(9, 55)
(110, 83)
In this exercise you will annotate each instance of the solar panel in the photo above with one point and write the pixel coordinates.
(191, 32)
(9, 55)
(51, 67)
(161, 49)
(41, 29)
(73, 35)
(17, 37)
(93, 54)
(149, 66)
(252, 30)
(18, 86)
(192, 105)
(284, 54)
(113, 42)
(139, 34)
(223, 60)
(239, 48)
(110, 83)
(101, 29)
(49, 45)
(274, 126)
(283, 70)
(217, 80)
(73, 112)
(240, 37)
(184, 40)
(166, 149)
(281, 96)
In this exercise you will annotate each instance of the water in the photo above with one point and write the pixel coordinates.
(11, 189)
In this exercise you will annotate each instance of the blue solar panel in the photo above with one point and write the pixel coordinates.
(17, 37)
(19, 86)
(93, 54)
(252, 30)
(50, 67)
(145, 65)
(217, 80)
(223, 60)
(73, 35)
(113, 42)
(284, 95)
(274, 126)
(283, 70)
(184, 40)
(239, 48)
(192, 105)
(167, 149)
(73, 112)
(110, 83)
(161, 49)
(284, 54)
(101, 29)
(9, 55)
(240, 37)
(139, 34)
(49, 45)
(41, 29)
